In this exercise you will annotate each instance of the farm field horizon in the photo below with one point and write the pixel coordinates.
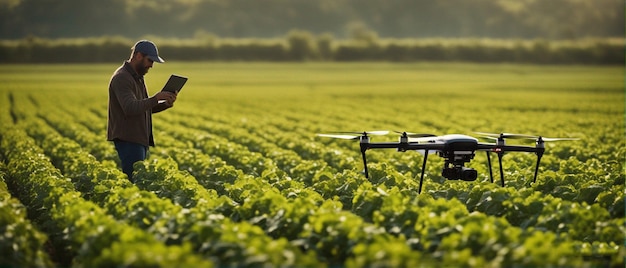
(239, 177)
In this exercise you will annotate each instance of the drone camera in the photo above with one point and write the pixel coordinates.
(460, 173)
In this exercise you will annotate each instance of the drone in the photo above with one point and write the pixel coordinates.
(456, 149)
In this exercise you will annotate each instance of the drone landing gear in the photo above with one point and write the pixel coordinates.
(364, 141)
(500, 154)
(489, 164)
(419, 191)
(539, 154)
(365, 164)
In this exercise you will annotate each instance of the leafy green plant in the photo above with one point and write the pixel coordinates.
(239, 178)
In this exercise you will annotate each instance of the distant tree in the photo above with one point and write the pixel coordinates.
(325, 46)
(360, 33)
(301, 45)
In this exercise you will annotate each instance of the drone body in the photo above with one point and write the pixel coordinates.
(456, 149)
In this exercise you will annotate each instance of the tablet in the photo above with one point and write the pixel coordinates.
(175, 83)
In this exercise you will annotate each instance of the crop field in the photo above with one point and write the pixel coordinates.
(238, 176)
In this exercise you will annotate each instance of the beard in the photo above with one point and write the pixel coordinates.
(142, 70)
(140, 64)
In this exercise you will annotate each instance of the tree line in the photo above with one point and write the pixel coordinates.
(299, 46)
(525, 19)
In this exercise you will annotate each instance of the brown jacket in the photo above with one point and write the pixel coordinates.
(130, 108)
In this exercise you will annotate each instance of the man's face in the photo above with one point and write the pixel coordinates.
(144, 64)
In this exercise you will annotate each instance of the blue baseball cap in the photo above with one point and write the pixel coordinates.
(149, 49)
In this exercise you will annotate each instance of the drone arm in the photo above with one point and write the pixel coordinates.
(506, 148)
(386, 145)
(405, 146)
(425, 146)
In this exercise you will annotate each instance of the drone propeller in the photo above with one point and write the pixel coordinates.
(506, 135)
(352, 135)
(559, 139)
(414, 135)
(363, 133)
(339, 136)
(520, 136)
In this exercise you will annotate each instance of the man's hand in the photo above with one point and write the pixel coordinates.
(166, 97)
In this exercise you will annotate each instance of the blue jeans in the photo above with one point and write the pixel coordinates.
(129, 153)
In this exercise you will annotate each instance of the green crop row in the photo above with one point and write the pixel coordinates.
(189, 214)
(21, 243)
(239, 178)
(80, 232)
(487, 200)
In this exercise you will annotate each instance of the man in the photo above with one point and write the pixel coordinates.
(130, 107)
